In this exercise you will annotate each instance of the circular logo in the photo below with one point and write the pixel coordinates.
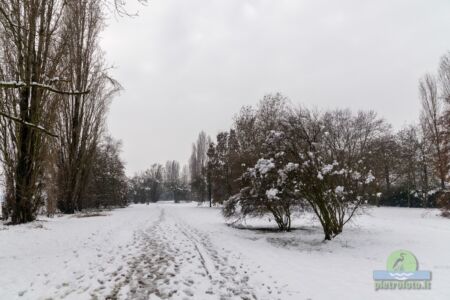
(402, 261)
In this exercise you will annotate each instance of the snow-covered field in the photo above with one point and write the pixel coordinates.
(180, 251)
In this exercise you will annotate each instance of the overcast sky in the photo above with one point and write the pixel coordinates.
(189, 65)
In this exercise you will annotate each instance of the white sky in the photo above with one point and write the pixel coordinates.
(191, 65)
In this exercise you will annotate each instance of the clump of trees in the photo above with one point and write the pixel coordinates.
(224, 166)
(278, 159)
(54, 95)
(298, 159)
(160, 183)
(146, 187)
(107, 185)
(411, 166)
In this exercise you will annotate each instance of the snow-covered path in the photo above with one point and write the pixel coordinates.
(179, 261)
(68, 256)
(180, 251)
(140, 252)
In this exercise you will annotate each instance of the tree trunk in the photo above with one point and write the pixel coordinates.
(331, 231)
(283, 220)
(209, 189)
(425, 183)
(22, 208)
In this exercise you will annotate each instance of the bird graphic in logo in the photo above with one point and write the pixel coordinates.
(402, 264)
(398, 264)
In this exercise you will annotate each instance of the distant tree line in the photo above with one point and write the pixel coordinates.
(279, 159)
(54, 95)
(159, 182)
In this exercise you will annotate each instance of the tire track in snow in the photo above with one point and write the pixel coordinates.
(223, 277)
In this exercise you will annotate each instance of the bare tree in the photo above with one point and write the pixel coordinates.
(81, 117)
(444, 79)
(172, 179)
(433, 127)
(32, 50)
(198, 166)
(410, 161)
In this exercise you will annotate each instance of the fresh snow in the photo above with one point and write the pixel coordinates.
(264, 165)
(272, 194)
(339, 190)
(181, 251)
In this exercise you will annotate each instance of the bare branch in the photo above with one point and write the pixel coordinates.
(28, 124)
(51, 89)
(17, 85)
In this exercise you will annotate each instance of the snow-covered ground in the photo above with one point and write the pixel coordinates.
(180, 251)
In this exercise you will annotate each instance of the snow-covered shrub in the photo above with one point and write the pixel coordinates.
(268, 187)
(308, 160)
(333, 189)
(330, 150)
